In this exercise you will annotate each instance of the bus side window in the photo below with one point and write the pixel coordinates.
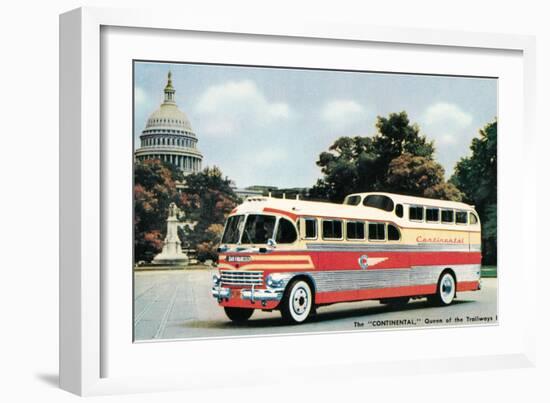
(447, 216)
(473, 218)
(461, 217)
(432, 215)
(355, 230)
(399, 210)
(416, 213)
(311, 228)
(286, 232)
(332, 229)
(393, 233)
(377, 231)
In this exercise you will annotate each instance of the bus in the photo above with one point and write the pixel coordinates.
(295, 256)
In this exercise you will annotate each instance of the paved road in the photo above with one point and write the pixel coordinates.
(177, 304)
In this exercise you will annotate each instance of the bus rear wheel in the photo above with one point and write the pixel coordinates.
(238, 315)
(297, 302)
(446, 290)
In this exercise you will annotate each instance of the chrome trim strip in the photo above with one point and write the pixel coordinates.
(344, 280)
(234, 277)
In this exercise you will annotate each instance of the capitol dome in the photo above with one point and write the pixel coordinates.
(168, 116)
(169, 137)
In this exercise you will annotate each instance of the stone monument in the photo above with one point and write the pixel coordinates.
(172, 254)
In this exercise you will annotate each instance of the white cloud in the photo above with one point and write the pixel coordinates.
(343, 114)
(443, 113)
(451, 128)
(447, 139)
(140, 96)
(228, 108)
(269, 156)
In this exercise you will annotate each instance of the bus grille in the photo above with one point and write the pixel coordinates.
(242, 277)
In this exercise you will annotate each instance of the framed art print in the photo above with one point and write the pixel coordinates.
(265, 203)
(309, 197)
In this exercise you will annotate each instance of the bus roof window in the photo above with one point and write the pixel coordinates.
(399, 210)
(447, 216)
(381, 202)
(461, 217)
(352, 200)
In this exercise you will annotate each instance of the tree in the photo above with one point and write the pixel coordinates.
(386, 161)
(205, 197)
(154, 190)
(207, 200)
(419, 176)
(476, 177)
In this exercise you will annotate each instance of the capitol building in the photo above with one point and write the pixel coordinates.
(168, 135)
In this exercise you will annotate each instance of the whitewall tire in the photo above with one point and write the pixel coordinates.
(446, 290)
(297, 302)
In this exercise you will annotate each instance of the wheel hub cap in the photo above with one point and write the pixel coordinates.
(299, 303)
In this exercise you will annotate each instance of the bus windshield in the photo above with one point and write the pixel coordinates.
(257, 229)
(233, 229)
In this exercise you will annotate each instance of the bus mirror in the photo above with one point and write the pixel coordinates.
(271, 243)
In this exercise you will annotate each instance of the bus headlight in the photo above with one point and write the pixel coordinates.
(275, 280)
(216, 279)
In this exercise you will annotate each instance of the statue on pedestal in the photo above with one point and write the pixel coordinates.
(172, 254)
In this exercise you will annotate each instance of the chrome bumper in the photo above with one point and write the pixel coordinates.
(270, 294)
(221, 293)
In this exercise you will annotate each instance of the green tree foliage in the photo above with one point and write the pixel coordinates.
(154, 190)
(419, 176)
(398, 158)
(207, 200)
(476, 177)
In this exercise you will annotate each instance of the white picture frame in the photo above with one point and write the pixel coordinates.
(85, 346)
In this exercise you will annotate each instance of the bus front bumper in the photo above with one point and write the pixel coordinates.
(252, 295)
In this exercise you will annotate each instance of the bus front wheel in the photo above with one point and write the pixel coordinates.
(446, 290)
(238, 315)
(297, 302)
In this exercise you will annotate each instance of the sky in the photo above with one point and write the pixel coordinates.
(267, 126)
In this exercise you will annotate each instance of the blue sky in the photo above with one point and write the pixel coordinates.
(267, 126)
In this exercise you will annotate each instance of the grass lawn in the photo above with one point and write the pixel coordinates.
(488, 271)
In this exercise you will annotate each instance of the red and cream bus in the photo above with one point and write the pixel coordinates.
(294, 255)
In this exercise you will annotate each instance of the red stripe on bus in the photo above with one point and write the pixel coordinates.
(262, 262)
(349, 260)
(395, 260)
(277, 211)
(467, 286)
